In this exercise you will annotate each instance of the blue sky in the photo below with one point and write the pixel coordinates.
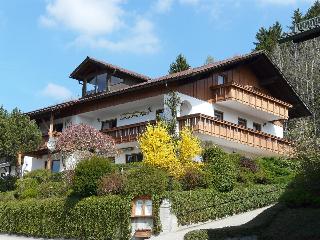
(42, 41)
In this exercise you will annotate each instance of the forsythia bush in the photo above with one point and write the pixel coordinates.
(158, 149)
(189, 148)
(161, 150)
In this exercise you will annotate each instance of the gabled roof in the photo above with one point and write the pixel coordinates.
(92, 64)
(259, 61)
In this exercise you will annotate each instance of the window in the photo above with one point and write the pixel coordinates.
(242, 122)
(55, 167)
(142, 207)
(256, 126)
(115, 80)
(97, 84)
(101, 82)
(218, 115)
(112, 123)
(159, 114)
(134, 157)
(221, 79)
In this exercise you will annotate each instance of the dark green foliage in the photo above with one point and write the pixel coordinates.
(277, 170)
(207, 204)
(112, 184)
(146, 180)
(313, 11)
(7, 183)
(267, 39)
(179, 65)
(91, 218)
(222, 168)
(17, 133)
(88, 173)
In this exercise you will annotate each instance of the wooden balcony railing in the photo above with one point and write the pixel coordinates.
(222, 129)
(127, 133)
(250, 97)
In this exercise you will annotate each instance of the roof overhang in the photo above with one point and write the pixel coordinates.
(270, 76)
(90, 67)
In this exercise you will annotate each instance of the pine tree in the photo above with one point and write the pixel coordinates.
(179, 65)
(267, 39)
(313, 11)
(296, 18)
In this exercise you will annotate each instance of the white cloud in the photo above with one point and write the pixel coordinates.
(190, 2)
(162, 6)
(56, 92)
(97, 22)
(141, 40)
(92, 17)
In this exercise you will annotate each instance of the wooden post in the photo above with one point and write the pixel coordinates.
(84, 87)
(50, 133)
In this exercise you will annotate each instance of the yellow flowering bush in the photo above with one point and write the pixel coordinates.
(188, 148)
(159, 149)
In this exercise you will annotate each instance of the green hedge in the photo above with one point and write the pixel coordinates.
(91, 218)
(203, 205)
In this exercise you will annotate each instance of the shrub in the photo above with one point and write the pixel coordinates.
(27, 188)
(249, 164)
(277, 170)
(96, 218)
(111, 184)
(146, 180)
(53, 189)
(195, 178)
(41, 175)
(7, 196)
(7, 183)
(88, 173)
(222, 168)
(207, 204)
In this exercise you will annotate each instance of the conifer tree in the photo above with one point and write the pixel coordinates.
(180, 64)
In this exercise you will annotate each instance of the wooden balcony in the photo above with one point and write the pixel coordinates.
(127, 133)
(208, 125)
(252, 98)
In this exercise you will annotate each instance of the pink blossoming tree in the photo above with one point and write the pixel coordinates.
(84, 141)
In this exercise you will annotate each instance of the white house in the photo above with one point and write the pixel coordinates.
(239, 103)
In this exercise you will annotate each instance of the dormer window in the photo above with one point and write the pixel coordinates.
(97, 84)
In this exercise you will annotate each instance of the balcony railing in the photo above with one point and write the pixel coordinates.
(127, 133)
(253, 98)
(208, 125)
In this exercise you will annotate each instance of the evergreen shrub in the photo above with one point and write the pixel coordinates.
(96, 218)
(88, 173)
(222, 168)
(146, 180)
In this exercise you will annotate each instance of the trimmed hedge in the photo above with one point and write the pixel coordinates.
(203, 205)
(91, 218)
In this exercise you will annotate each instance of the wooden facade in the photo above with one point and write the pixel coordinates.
(127, 133)
(208, 125)
(249, 96)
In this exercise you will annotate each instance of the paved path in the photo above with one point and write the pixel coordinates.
(225, 222)
(229, 221)
(13, 237)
